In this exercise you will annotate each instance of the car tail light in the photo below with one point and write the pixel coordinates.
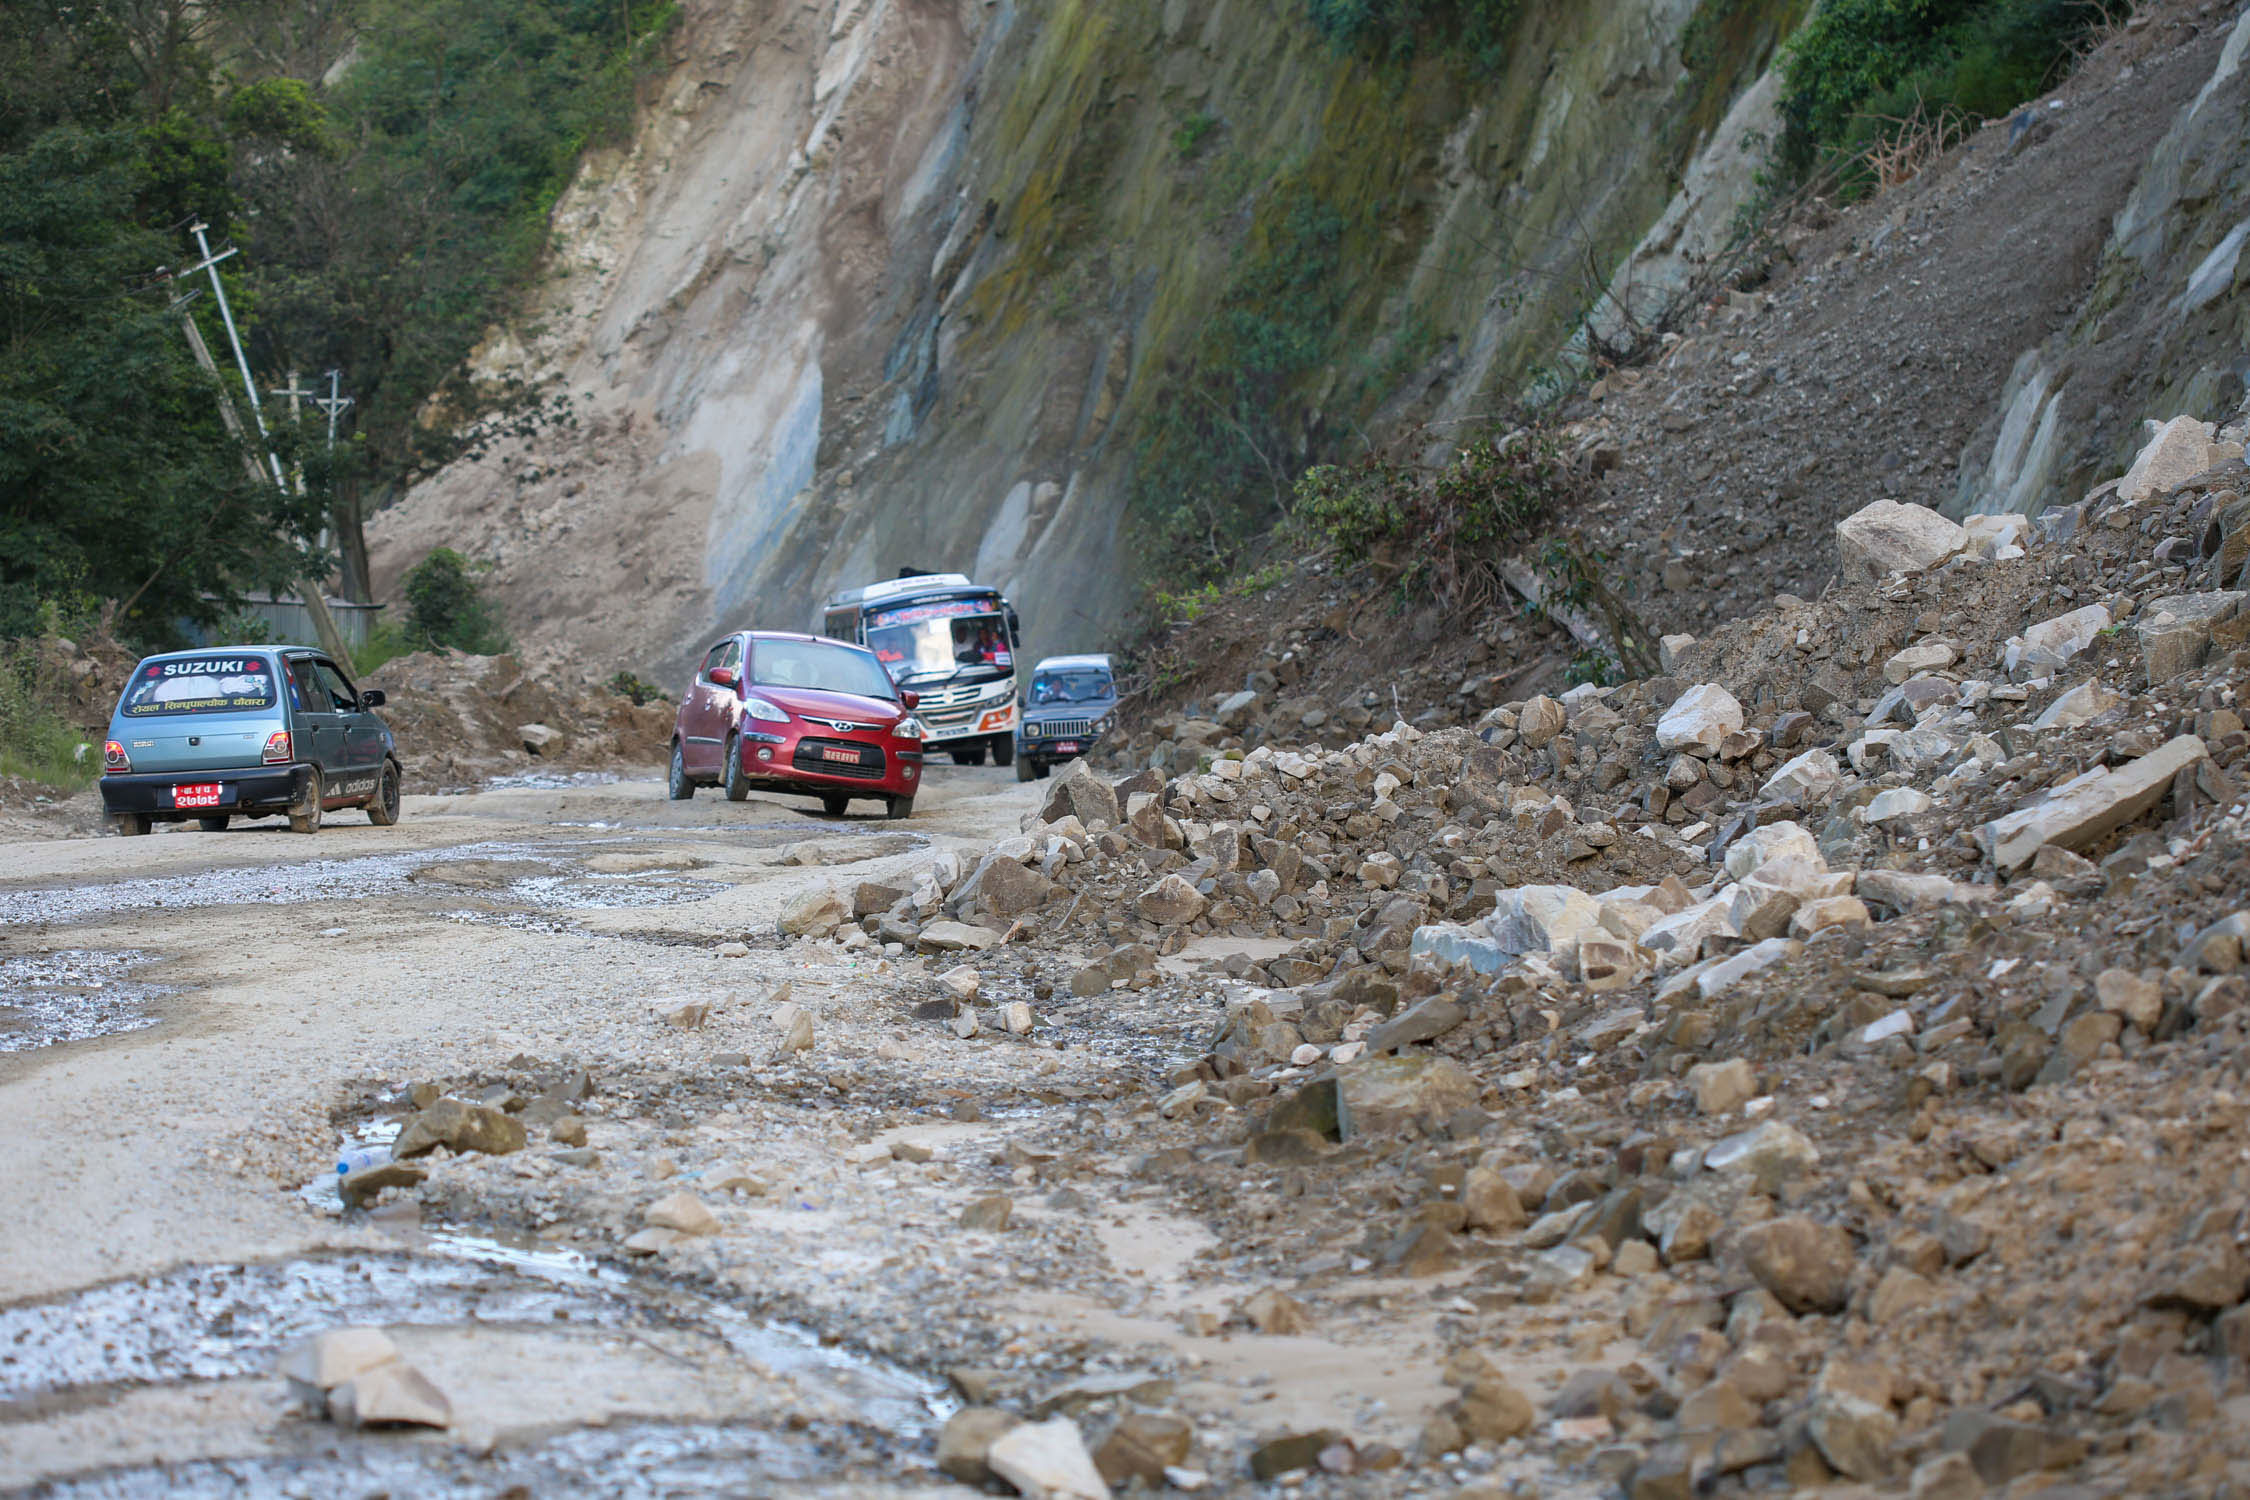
(278, 747)
(114, 757)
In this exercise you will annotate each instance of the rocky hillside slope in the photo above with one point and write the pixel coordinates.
(889, 282)
(1822, 1063)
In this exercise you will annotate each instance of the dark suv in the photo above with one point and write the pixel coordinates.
(1070, 704)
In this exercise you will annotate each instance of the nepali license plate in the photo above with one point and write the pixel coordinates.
(200, 794)
(1066, 747)
(848, 757)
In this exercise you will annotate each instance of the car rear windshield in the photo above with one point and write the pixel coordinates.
(200, 685)
(819, 664)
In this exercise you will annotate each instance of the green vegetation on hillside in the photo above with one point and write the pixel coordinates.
(385, 167)
(1860, 74)
(1477, 29)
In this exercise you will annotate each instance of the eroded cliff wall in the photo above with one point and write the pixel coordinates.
(889, 282)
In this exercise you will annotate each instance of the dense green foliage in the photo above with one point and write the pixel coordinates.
(385, 168)
(1442, 534)
(1477, 29)
(1858, 70)
(1215, 462)
(445, 607)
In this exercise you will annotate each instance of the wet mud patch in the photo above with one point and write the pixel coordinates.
(73, 995)
(796, 1408)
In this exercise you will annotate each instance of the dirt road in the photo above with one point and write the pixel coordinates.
(194, 1023)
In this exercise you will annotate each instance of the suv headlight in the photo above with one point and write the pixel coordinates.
(759, 709)
(1031, 731)
(908, 728)
(1105, 723)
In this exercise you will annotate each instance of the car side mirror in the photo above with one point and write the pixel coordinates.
(373, 698)
(722, 677)
(911, 700)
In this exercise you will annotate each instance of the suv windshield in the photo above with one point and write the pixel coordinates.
(1071, 687)
(921, 640)
(200, 685)
(819, 664)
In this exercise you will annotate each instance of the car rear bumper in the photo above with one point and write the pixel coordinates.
(261, 789)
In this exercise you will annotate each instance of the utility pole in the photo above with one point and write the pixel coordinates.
(333, 404)
(324, 623)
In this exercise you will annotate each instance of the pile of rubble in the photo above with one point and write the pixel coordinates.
(1828, 1015)
(462, 720)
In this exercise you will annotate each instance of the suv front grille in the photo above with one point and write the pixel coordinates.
(1065, 729)
(811, 756)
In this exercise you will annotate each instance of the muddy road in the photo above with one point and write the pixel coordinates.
(192, 1025)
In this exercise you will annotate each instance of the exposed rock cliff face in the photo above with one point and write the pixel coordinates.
(888, 282)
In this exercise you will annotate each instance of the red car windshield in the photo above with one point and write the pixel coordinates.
(824, 665)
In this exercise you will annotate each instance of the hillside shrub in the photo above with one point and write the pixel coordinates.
(1859, 72)
(446, 607)
(1397, 29)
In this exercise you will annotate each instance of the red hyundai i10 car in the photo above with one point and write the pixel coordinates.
(775, 712)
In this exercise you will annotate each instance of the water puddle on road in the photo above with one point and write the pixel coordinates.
(543, 884)
(72, 995)
(230, 1322)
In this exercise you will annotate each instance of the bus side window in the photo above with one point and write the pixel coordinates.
(839, 625)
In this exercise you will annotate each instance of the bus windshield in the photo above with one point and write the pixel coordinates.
(937, 640)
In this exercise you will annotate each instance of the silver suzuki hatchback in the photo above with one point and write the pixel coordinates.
(247, 732)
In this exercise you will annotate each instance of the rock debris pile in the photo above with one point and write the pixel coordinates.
(1852, 1019)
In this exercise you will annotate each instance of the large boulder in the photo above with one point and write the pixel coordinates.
(1544, 918)
(1076, 791)
(1807, 1265)
(2084, 808)
(2176, 451)
(459, 1126)
(1004, 888)
(814, 914)
(1699, 719)
(1383, 1093)
(1887, 537)
(1172, 902)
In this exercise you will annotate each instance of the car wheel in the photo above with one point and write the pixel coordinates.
(737, 785)
(895, 808)
(382, 808)
(974, 756)
(1044, 768)
(834, 803)
(1026, 768)
(213, 825)
(305, 817)
(676, 781)
(131, 825)
(1003, 749)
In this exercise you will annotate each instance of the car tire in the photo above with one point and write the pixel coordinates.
(214, 825)
(382, 808)
(305, 817)
(834, 803)
(1026, 768)
(896, 808)
(973, 756)
(1044, 768)
(737, 785)
(131, 825)
(676, 781)
(1003, 749)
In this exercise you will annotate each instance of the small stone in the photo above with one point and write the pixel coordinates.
(1700, 718)
(1493, 1411)
(1949, 1476)
(2138, 1000)
(1144, 1445)
(1171, 902)
(966, 1440)
(1807, 1265)
(1539, 721)
(360, 1188)
(1273, 1311)
(954, 937)
(1720, 1088)
(796, 1030)
(990, 1213)
(1290, 1452)
(1889, 537)
(1899, 1292)
(960, 982)
(394, 1394)
(460, 1127)
(1489, 1203)
(1017, 1017)
(327, 1360)
(682, 1213)
(814, 914)
(1853, 1434)
(1047, 1459)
